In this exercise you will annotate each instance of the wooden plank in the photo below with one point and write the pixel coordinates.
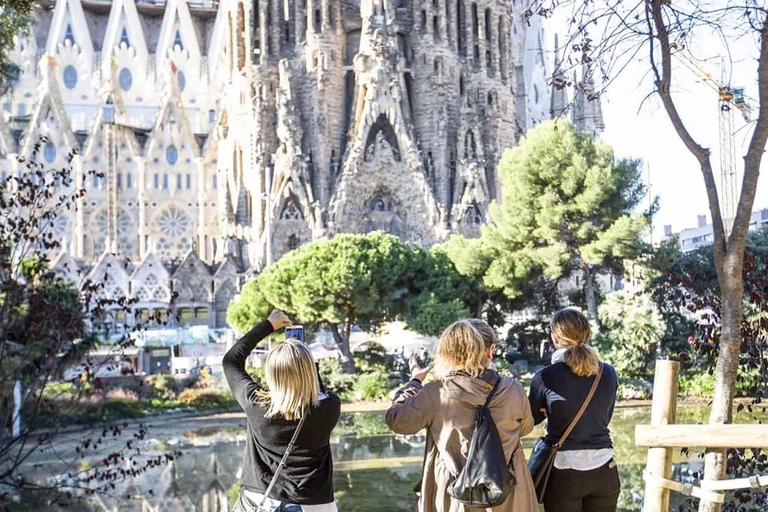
(705, 436)
(663, 412)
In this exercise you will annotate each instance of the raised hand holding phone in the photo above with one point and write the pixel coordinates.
(278, 319)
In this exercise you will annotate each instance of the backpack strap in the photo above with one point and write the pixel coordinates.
(493, 392)
(583, 406)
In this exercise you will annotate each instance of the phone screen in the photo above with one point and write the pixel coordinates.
(295, 332)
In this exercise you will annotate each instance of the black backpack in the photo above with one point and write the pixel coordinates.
(485, 480)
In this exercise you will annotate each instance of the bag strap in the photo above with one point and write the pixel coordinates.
(493, 392)
(583, 406)
(282, 462)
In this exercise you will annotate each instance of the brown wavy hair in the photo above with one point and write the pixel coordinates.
(571, 330)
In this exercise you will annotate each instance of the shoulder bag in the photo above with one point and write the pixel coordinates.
(243, 504)
(543, 456)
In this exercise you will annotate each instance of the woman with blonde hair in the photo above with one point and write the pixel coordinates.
(447, 408)
(287, 453)
(584, 477)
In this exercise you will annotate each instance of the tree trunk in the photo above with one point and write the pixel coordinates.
(342, 341)
(728, 251)
(589, 291)
(731, 295)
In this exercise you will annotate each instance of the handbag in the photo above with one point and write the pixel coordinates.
(485, 480)
(243, 504)
(543, 456)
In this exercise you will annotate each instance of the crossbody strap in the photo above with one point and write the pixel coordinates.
(493, 392)
(583, 406)
(282, 462)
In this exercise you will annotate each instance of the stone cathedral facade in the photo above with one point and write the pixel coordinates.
(227, 133)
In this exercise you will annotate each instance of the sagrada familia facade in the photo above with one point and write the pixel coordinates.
(226, 133)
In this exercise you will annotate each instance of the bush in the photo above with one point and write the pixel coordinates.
(697, 385)
(635, 389)
(373, 357)
(335, 379)
(58, 390)
(632, 331)
(371, 386)
(163, 385)
(205, 399)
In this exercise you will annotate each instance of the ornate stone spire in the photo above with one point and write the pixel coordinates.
(587, 109)
(559, 104)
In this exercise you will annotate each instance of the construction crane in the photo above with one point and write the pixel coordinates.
(729, 99)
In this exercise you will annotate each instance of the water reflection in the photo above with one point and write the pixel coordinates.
(375, 471)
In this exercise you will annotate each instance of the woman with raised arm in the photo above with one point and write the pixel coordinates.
(447, 408)
(584, 477)
(287, 453)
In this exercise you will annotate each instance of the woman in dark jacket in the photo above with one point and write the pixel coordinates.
(273, 414)
(584, 477)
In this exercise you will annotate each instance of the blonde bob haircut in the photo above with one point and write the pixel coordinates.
(460, 348)
(570, 330)
(292, 384)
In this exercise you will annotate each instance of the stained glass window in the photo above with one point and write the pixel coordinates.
(70, 77)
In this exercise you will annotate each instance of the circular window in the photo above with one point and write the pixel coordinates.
(172, 154)
(70, 77)
(181, 79)
(126, 79)
(49, 152)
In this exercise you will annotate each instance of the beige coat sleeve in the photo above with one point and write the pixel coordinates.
(412, 409)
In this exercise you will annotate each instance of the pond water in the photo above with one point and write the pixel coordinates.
(375, 471)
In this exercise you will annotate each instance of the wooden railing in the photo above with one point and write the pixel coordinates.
(662, 435)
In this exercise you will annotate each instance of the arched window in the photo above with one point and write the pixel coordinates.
(293, 243)
(49, 152)
(70, 77)
(181, 79)
(171, 154)
(125, 79)
(381, 203)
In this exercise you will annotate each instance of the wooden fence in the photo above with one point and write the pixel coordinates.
(663, 435)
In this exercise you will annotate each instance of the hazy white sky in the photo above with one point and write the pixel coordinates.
(641, 129)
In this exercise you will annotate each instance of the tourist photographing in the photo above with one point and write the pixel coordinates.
(576, 395)
(288, 463)
(447, 408)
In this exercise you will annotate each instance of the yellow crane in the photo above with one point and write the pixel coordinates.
(729, 99)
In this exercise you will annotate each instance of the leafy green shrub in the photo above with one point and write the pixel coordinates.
(205, 399)
(697, 385)
(335, 379)
(632, 330)
(163, 385)
(56, 390)
(371, 386)
(373, 357)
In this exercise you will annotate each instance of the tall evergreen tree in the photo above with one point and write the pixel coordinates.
(568, 205)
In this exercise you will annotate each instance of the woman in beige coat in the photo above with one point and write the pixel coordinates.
(446, 407)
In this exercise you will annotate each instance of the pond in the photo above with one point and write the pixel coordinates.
(375, 471)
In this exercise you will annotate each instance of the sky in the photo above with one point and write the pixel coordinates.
(638, 127)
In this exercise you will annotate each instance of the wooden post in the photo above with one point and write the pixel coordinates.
(663, 412)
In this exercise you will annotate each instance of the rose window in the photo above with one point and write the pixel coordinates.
(174, 222)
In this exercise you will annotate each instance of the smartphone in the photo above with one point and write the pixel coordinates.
(295, 332)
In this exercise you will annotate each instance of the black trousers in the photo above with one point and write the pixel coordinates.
(569, 490)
